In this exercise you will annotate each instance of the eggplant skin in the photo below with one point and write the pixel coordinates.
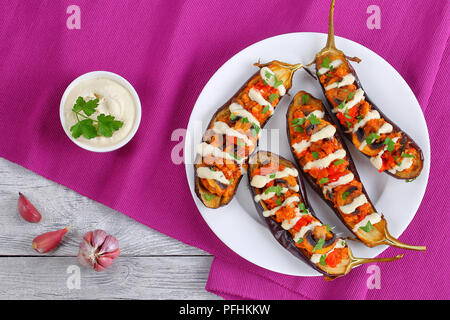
(281, 235)
(399, 175)
(351, 165)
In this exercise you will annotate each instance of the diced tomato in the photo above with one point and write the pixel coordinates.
(304, 221)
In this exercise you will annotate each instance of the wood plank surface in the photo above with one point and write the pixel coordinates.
(151, 265)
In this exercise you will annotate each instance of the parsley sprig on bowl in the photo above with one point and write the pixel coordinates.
(103, 125)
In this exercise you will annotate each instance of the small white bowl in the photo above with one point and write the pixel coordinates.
(118, 79)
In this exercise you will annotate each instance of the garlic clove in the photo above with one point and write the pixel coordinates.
(27, 210)
(48, 241)
(98, 250)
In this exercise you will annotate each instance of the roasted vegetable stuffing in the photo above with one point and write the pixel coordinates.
(389, 148)
(280, 198)
(233, 133)
(328, 167)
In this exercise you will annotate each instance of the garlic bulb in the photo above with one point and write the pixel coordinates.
(98, 250)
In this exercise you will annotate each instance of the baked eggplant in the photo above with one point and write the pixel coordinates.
(327, 165)
(388, 147)
(233, 133)
(280, 198)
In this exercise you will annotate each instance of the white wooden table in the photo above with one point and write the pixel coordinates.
(151, 265)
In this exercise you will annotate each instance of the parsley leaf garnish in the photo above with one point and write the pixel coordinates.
(405, 155)
(273, 96)
(319, 244)
(313, 119)
(208, 197)
(390, 144)
(266, 108)
(372, 137)
(315, 155)
(345, 194)
(323, 180)
(105, 125)
(323, 259)
(368, 227)
(305, 99)
(338, 162)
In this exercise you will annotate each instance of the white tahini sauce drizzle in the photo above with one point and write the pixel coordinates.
(305, 229)
(286, 202)
(271, 80)
(256, 96)
(324, 133)
(359, 95)
(406, 164)
(237, 109)
(374, 218)
(204, 149)
(301, 146)
(207, 173)
(259, 181)
(373, 114)
(223, 128)
(334, 63)
(351, 207)
(385, 128)
(377, 161)
(346, 80)
(325, 162)
(339, 182)
(266, 196)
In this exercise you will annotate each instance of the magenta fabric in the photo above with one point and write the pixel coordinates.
(168, 50)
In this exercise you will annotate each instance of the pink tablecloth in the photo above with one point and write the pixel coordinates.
(168, 50)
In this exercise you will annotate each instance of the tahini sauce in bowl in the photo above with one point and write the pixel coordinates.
(115, 96)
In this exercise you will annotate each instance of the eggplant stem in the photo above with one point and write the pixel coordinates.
(357, 261)
(391, 241)
(330, 40)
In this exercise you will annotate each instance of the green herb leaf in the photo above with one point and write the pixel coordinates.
(326, 63)
(341, 105)
(268, 75)
(338, 162)
(360, 117)
(351, 95)
(107, 125)
(323, 259)
(328, 228)
(302, 208)
(315, 155)
(313, 119)
(272, 176)
(208, 197)
(368, 227)
(84, 127)
(345, 195)
(273, 96)
(390, 144)
(277, 82)
(405, 155)
(278, 202)
(244, 120)
(300, 240)
(305, 99)
(372, 137)
(88, 107)
(323, 180)
(266, 108)
(277, 189)
(233, 116)
(411, 180)
(319, 244)
(298, 121)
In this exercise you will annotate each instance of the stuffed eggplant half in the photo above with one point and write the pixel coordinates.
(327, 165)
(233, 133)
(280, 198)
(389, 148)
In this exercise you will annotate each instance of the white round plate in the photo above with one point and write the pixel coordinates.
(238, 224)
